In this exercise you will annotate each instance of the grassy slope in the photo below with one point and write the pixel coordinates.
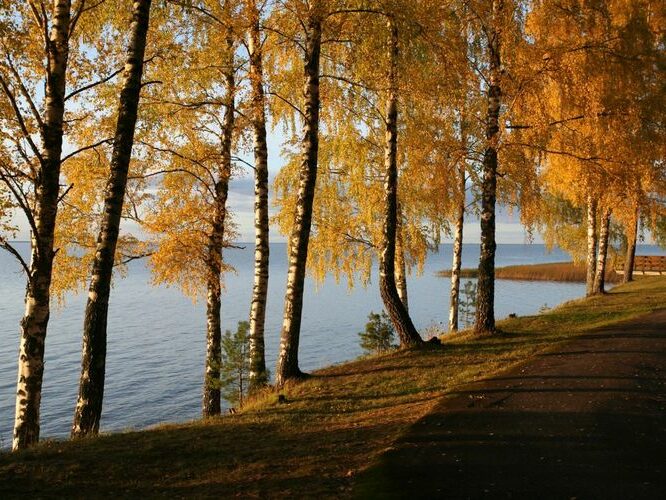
(334, 423)
(556, 271)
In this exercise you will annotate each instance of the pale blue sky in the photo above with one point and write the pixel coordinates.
(241, 202)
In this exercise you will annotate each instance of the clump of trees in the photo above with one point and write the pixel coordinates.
(400, 119)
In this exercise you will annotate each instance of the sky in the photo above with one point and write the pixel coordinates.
(241, 203)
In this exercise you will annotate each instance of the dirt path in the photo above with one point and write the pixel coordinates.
(587, 420)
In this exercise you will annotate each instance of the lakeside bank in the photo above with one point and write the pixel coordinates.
(333, 425)
(569, 272)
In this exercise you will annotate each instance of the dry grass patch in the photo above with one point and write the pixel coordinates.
(558, 271)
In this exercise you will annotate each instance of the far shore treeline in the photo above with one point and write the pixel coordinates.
(399, 119)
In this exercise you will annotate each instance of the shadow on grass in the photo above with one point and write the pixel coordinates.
(499, 454)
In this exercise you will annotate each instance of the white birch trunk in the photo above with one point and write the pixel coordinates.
(47, 190)
(591, 244)
(456, 263)
(604, 232)
(258, 374)
(287, 366)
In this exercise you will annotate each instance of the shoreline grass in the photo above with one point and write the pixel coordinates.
(552, 271)
(334, 424)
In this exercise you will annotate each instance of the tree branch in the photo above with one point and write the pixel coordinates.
(289, 103)
(94, 84)
(108, 140)
(7, 246)
(19, 118)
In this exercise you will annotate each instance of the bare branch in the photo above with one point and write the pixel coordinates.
(21, 200)
(94, 84)
(240, 160)
(12, 250)
(358, 239)
(62, 196)
(289, 103)
(24, 91)
(108, 140)
(19, 118)
(126, 259)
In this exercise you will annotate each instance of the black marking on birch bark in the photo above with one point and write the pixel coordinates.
(630, 256)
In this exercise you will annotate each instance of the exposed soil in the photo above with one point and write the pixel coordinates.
(586, 420)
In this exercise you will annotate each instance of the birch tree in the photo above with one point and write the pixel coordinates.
(258, 373)
(394, 306)
(39, 51)
(604, 233)
(91, 387)
(312, 19)
(485, 300)
(593, 109)
(189, 218)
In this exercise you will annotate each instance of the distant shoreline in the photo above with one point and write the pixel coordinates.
(554, 271)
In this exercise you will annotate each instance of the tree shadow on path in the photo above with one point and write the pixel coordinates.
(586, 421)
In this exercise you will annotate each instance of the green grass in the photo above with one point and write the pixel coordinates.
(335, 423)
(556, 271)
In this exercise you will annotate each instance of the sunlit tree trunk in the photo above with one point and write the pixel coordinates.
(211, 401)
(47, 191)
(91, 386)
(591, 261)
(485, 300)
(456, 264)
(387, 282)
(400, 265)
(287, 366)
(604, 232)
(258, 376)
(632, 236)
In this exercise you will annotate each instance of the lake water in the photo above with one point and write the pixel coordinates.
(157, 336)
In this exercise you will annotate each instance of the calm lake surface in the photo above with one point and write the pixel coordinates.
(156, 335)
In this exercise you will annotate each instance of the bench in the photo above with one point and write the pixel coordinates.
(648, 264)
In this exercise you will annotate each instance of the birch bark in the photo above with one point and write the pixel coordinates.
(287, 365)
(631, 248)
(485, 300)
(258, 375)
(387, 283)
(211, 401)
(35, 319)
(456, 264)
(604, 232)
(88, 410)
(591, 244)
(400, 265)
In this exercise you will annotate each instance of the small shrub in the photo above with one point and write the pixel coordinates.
(379, 334)
(235, 367)
(468, 303)
(433, 330)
